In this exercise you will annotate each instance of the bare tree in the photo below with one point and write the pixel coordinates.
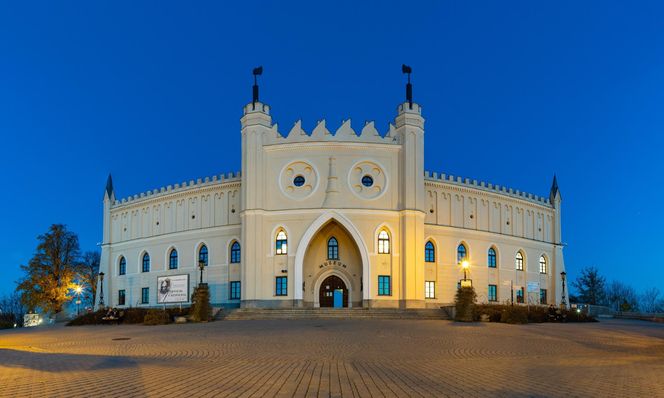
(12, 309)
(52, 271)
(88, 273)
(590, 286)
(622, 297)
(650, 301)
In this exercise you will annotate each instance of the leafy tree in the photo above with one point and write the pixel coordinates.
(622, 297)
(52, 270)
(590, 286)
(88, 273)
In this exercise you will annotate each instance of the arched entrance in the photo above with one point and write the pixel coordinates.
(331, 246)
(333, 293)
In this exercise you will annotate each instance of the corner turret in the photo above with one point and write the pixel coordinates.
(409, 132)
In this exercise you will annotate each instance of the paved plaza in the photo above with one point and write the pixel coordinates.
(372, 358)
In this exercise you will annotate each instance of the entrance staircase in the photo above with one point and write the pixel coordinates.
(331, 313)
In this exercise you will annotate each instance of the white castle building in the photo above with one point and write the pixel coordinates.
(346, 218)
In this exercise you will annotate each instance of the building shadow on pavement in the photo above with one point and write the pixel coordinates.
(59, 362)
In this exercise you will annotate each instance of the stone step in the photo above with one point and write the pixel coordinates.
(330, 313)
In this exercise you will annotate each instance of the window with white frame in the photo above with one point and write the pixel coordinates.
(542, 264)
(383, 242)
(429, 289)
(281, 243)
(518, 261)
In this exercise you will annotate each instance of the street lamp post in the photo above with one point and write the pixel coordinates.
(563, 301)
(101, 290)
(201, 266)
(465, 265)
(78, 289)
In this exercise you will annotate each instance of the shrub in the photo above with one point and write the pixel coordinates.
(538, 314)
(4, 324)
(134, 316)
(533, 314)
(514, 315)
(465, 304)
(173, 312)
(201, 310)
(492, 310)
(573, 316)
(91, 318)
(156, 317)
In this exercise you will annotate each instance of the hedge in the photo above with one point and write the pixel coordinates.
(519, 314)
(132, 316)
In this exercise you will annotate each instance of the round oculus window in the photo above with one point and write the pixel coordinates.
(367, 181)
(298, 181)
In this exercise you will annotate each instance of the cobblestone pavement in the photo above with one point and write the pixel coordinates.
(373, 358)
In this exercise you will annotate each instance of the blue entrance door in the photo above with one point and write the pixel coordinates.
(338, 298)
(333, 293)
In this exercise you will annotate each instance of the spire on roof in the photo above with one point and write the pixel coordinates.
(555, 192)
(109, 186)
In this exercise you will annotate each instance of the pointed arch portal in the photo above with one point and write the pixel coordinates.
(331, 217)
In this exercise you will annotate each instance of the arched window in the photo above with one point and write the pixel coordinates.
(383, 242)
(146, 262)
(518, 261)
(235, 252)
(332, 249)
(462, 253)
(173, 259)
(429, 253)
(203, 255)
(122, 268)
(282, 243)
(542, 263)
(491, 258)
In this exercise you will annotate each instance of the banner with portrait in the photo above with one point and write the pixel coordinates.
(173, 289)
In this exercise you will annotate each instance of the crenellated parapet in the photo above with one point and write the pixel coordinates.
(484, 186)
(217, 179)
(321, 133)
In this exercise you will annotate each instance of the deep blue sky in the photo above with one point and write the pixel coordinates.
(153, 92)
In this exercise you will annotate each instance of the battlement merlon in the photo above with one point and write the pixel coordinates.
(409, 114)
(488, 187)
(176, 188)
(256, 117)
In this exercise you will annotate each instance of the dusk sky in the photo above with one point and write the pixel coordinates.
(512, 93)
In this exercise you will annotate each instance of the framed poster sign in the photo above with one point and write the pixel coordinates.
(173, 289)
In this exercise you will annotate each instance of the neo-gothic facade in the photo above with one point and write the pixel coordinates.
(341, 219)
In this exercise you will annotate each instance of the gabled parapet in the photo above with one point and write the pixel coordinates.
(216, 179)
(322, 133)
(489, 187)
